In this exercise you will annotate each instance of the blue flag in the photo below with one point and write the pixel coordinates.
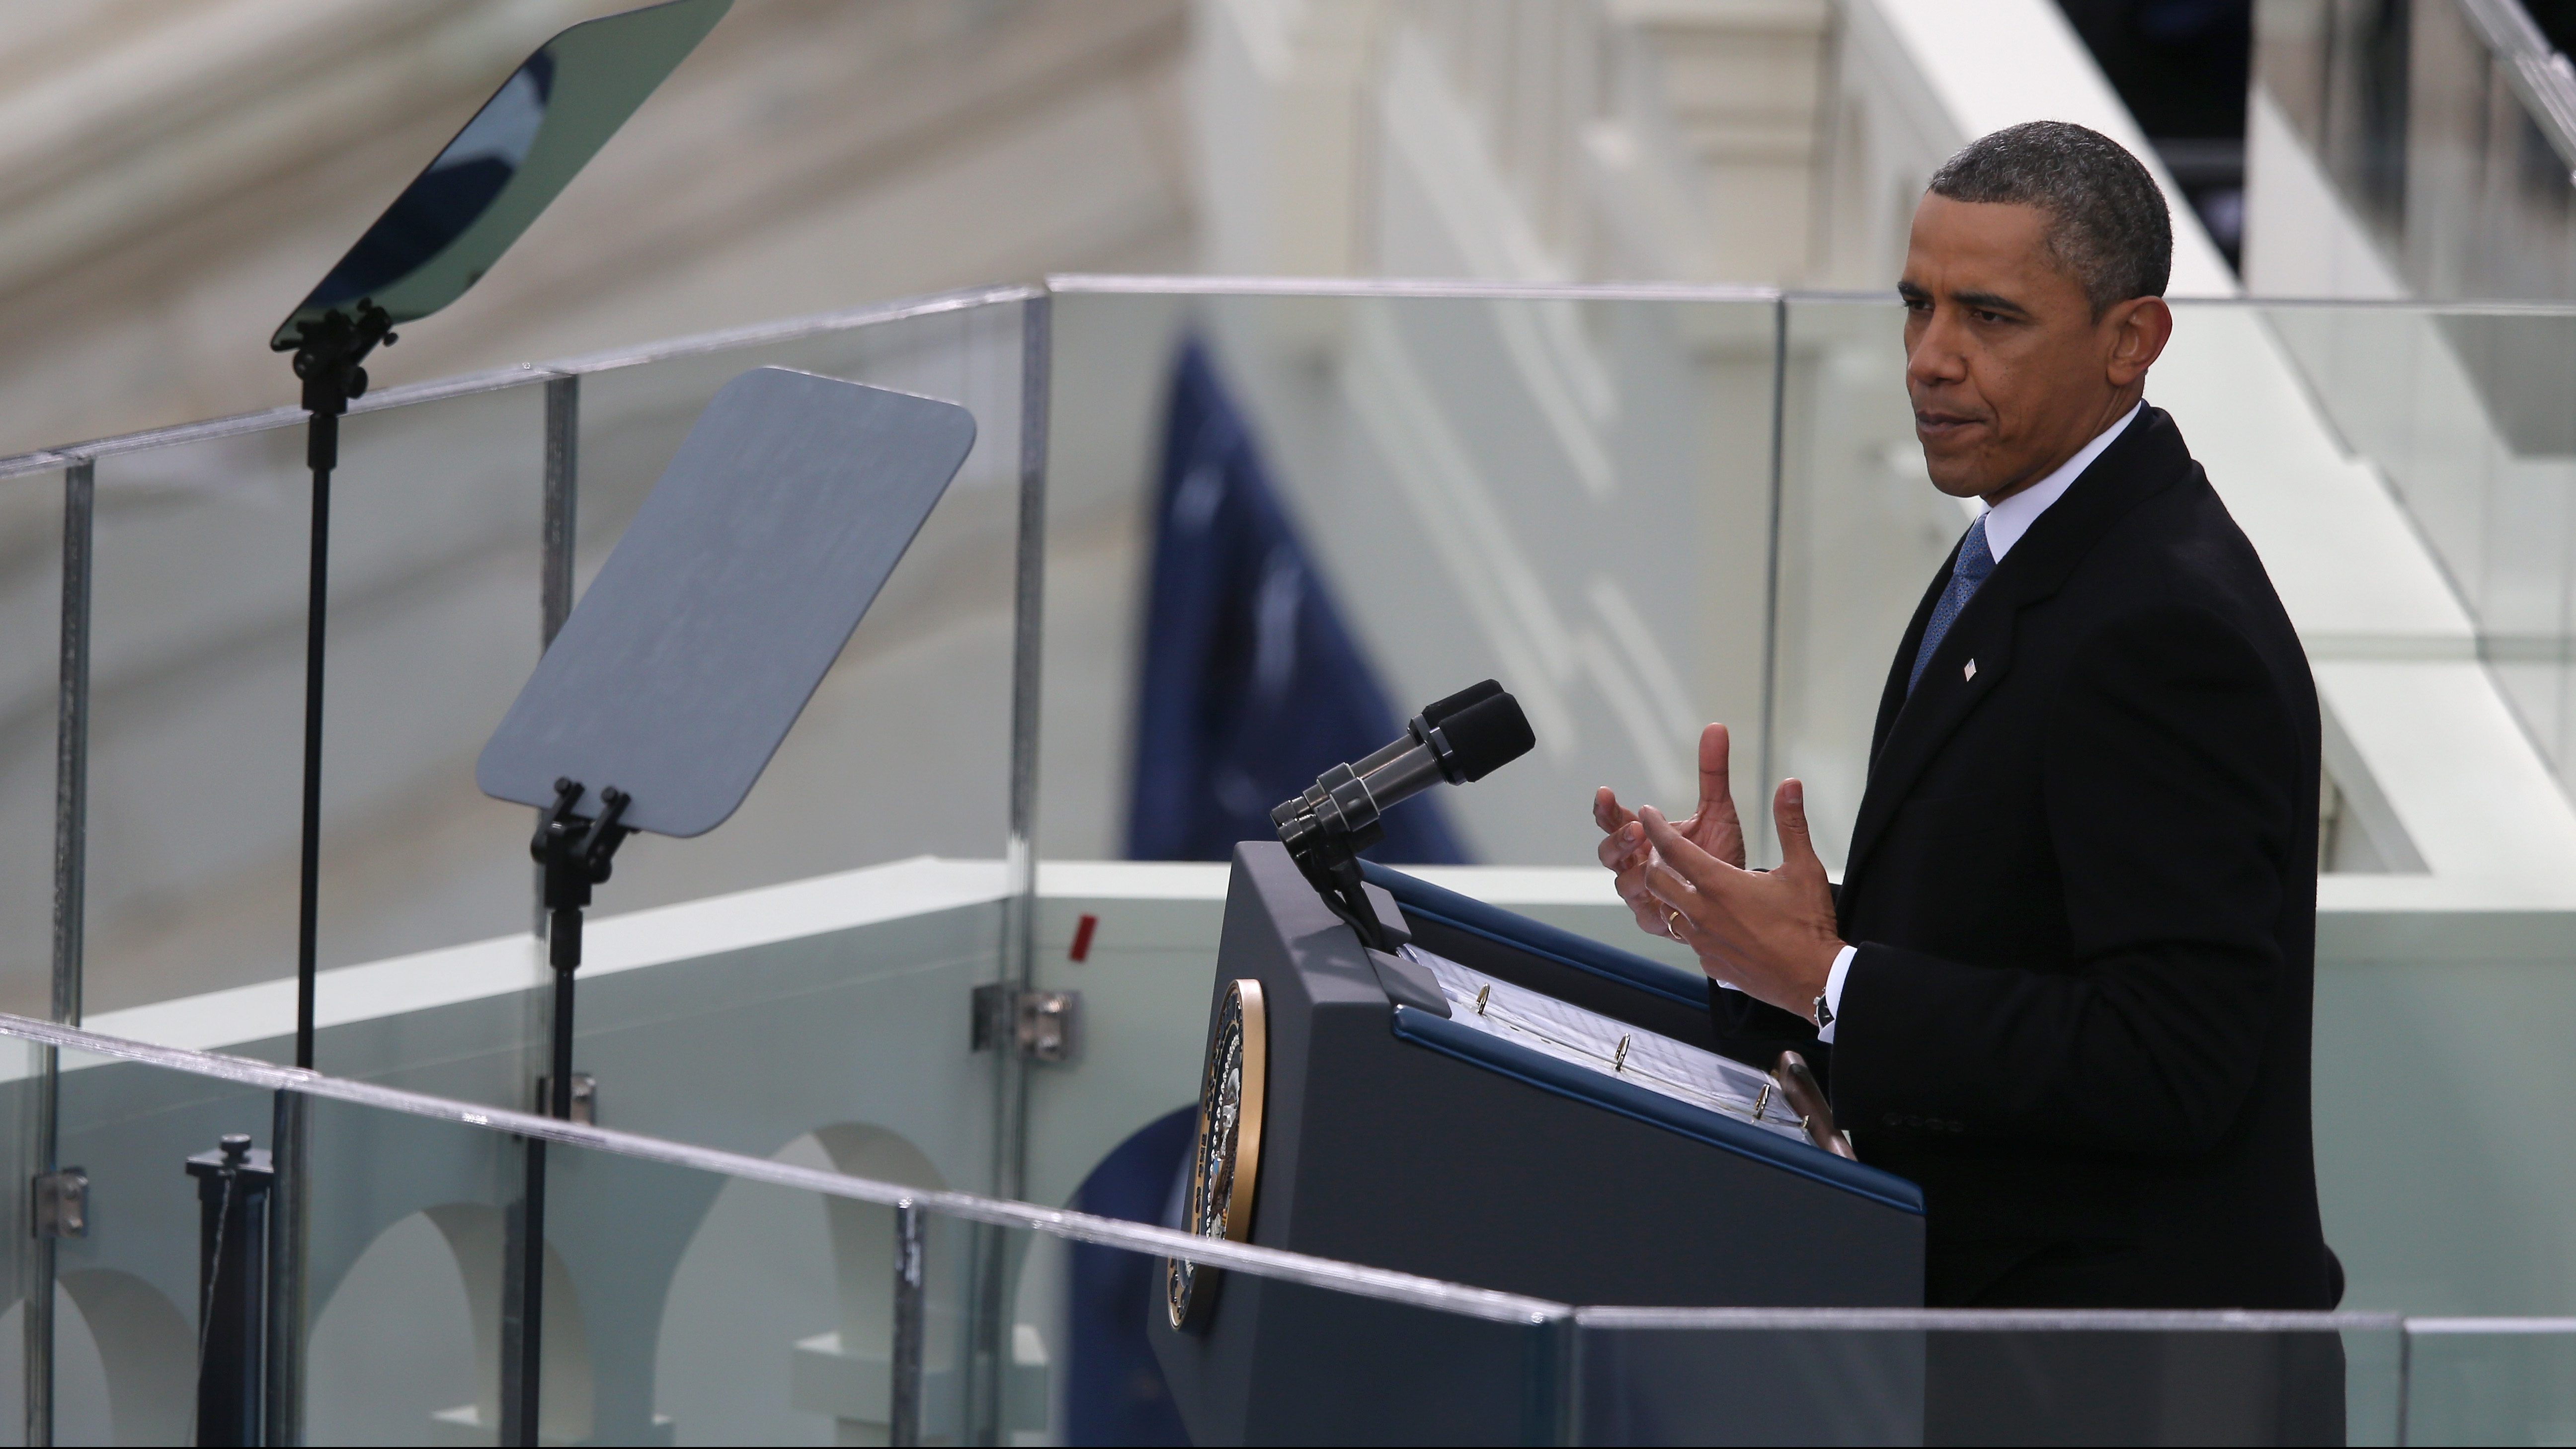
(1251, 686)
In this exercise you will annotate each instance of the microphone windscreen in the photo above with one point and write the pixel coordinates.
(1487, 735)
(1440, 709)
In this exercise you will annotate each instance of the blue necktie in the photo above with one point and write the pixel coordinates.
(1974, 563)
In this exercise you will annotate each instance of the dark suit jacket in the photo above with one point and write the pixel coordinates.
(2083, 887)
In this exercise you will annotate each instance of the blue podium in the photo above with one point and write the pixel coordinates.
(1497, 1103)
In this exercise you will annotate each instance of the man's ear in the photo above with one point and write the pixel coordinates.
(2138, 330)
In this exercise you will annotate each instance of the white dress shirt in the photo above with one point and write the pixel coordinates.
(2006, 522)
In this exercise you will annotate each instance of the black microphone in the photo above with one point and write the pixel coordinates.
(1431, 716)
(1462, 738)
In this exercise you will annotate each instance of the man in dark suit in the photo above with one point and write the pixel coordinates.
(2065, 983)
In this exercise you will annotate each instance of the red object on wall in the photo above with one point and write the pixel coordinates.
(1082, 938)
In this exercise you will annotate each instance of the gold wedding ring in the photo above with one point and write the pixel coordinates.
(1673, 923)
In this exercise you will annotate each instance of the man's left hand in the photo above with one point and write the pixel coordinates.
(1770, 933)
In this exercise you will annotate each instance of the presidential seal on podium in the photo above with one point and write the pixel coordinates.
(1225, 1168)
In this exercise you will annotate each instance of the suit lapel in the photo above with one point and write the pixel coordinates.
(1912, 729)
(1926, 719)
(1891, 698)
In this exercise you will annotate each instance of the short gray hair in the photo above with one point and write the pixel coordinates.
(2108, 226)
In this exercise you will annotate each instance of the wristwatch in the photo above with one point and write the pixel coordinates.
(1824, 1014)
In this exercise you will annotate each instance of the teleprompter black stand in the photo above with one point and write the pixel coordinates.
(329, 353)
(575, 854)
(686, 663)
(446, 229)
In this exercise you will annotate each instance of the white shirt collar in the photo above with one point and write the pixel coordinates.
(2007, 521)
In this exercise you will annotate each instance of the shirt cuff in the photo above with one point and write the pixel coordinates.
(1834, 992)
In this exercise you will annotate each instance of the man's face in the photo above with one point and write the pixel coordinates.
(2009, 371)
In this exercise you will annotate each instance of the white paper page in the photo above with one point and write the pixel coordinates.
(1613, 1048)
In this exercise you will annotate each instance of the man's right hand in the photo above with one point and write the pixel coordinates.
(1714, 828)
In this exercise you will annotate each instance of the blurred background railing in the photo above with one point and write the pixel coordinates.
(2445, 130)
